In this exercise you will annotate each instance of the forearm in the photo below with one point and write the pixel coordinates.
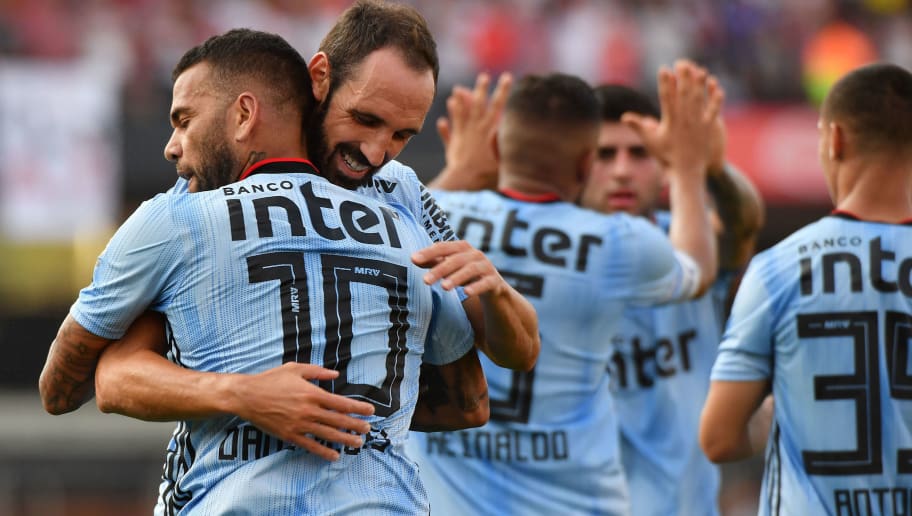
(511, 337)
(691, 231)
(145, 385)
(736, 420)
(452, 396)
(741, 210)
(66, 380)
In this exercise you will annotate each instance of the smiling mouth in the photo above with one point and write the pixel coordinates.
(353, 163)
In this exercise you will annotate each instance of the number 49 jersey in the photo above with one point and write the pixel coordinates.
(283, 267)
(551, 445)
(827, 316)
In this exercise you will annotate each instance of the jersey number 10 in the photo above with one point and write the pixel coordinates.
(339, 272)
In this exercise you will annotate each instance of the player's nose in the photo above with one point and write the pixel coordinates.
(172, 149)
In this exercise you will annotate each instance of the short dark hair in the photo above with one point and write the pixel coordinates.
(616, 99)
(263, 56)
(875, 104)
(554, 99)
(371, 25)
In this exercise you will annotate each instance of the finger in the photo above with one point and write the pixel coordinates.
(314, 447)
(346, 405)
(455, 111)
(499, 97)
(444, 269)
(331, 434)
(481, 285)
(312, 371)
(639, 123)
(443, 129)
(311, 445)
(666, 88)
(715, 100)
(436, 251)
(480, 95)
(470, 270)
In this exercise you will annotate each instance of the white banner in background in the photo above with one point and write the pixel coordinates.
(59, 144)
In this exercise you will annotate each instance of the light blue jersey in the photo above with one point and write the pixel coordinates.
(551, 446)
(827, 316)
(659, 379)
(282, 267)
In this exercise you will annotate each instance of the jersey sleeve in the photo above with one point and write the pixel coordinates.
(655, 272)
(745, 353)
(130, 273)
(450, 335)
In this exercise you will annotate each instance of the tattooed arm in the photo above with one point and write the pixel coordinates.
(452, 396)
(67, 380)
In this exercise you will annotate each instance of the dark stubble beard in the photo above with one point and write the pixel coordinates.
(320, 154)
(218, 167)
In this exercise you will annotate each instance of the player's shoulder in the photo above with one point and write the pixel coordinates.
(457, 199)
(785, 254)
(396, 175)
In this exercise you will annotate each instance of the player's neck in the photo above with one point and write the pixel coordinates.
(876, 195)
(533, 186)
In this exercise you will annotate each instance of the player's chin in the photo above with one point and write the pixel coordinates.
(352, 179)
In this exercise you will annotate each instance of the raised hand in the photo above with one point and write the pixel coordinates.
(690, 103)
(468, 135)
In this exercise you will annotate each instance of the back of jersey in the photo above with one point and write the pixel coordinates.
(285, 267)
(551, 444)
(827, 314)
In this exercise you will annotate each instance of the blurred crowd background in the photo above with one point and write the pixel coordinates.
(84, 96)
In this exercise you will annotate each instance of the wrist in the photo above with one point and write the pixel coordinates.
(225, 392)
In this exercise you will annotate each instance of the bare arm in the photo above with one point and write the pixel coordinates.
(452, 397)
(66, 383)
(690, 103)
(505, 320)
(135, 379)
(468, 135)
(736, 420)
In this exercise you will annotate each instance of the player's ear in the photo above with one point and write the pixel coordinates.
(493, 144)
(319, 69)
(836, 141)
(584, 164)
(245, 111)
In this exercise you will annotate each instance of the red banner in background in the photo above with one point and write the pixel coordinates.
(776, 146)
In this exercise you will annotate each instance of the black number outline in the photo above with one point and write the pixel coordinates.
(338, 273)
(863, 386)
(518, 404)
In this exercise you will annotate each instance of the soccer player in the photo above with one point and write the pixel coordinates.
(370, 111)
(551, 444)
(282, 267)
(823, 320)
(663, 354)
